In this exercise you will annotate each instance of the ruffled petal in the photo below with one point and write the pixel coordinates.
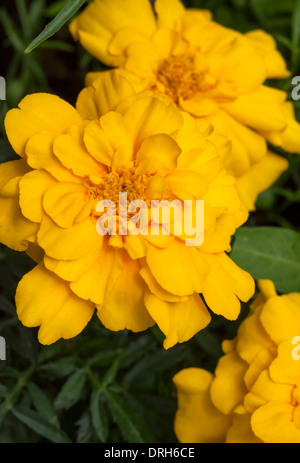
(56, 115)
(197, 420)
(179, 321)
(44, 300)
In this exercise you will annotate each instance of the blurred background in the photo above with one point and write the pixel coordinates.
(104, 386)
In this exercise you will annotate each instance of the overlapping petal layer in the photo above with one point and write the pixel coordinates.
(118, 141)
(210, 71)
(253, 397)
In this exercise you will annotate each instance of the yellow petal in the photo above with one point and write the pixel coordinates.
(266, 390)
(122, 40)
(260, 363)
(228, 388)
(150, 116)
(156, 289)
(180, 270)
(71, 270)
(124, 307)
(247, 147)
(38, 112)
(163, 152)
(12, 169)
(265, 44)
(93, 284)
(252, 339)
(186, 184)
(98, 22)
(197, 420)
(72, 153)
(179, 321)
(39, 152)
(285, 368)
(240, 432)
(97, 143)
(67, 244)
(273, 424)
(225, 284)
(142, 59)
(199, 106)
(261, 109)
(15, 230)
(136, 246)
(288, 138)
(33, 187)
(67, 204)
(103, 95)
(279, 317)
(222, 192)
(244, 66)
(260, 177)
(168, 12)
(43, 299)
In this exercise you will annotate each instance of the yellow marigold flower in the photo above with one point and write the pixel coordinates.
(254, 395)
(72, 158)
(210, 71)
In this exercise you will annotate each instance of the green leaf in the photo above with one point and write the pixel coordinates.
(128, 420)
(40, 425)
(43, 404)
(11, 30)
(295, 34)
(71, 391)
(99, 415)
(269, 253)
(60, 368)
(56, 24)
(105, 358)
(85, 432)
(153, 363)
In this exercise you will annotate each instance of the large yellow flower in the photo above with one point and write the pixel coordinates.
(254, 396)
(117, 141)
(208, 70)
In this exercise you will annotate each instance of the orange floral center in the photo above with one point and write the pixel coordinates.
(180, 78)
(109, 186)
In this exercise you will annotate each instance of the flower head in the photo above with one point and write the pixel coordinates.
(210, 71)
(253, 397)
(118, 141)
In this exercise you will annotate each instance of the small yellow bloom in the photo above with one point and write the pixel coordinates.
(210, 71)
(254, 395)
(117, 141)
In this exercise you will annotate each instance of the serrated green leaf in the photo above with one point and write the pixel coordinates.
(85, 430)
(153, 363)
(128, 420)
(43, 404)
(40, 425)
(71, 392)
(269, 253)
(60, 368)
(56, 24)
(99, 415)
(295, 34)
(105, 358)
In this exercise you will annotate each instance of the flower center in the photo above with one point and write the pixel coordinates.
(180, 78)
(108, 187)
